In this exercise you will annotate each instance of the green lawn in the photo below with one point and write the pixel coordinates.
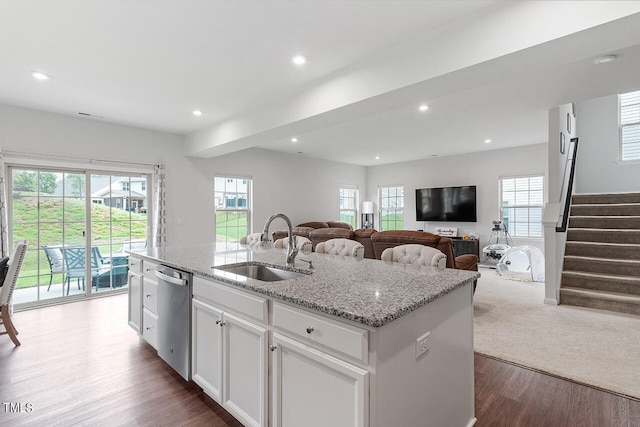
(55, 223)
(230, 226)
(392, 222)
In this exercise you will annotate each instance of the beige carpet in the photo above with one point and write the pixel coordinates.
(589, 346)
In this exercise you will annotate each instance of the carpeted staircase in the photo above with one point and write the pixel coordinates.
(602, 256)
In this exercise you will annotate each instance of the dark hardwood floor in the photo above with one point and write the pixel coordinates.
(509, 395)
(81, 364)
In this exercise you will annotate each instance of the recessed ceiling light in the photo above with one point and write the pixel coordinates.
(377, 157)
(487, 141)
(299, 59)
(197, 112)
(423, 107)
(294, 139)
(605, 59)
(39, 75)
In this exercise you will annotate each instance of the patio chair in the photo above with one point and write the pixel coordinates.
(56, 262)
(74, 259)
(8, 285)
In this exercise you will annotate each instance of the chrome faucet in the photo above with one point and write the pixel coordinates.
(292, 250)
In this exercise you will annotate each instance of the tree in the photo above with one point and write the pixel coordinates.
(48, 182)
(25, 181)
(76, 181)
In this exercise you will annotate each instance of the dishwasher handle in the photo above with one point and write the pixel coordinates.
(173, 280)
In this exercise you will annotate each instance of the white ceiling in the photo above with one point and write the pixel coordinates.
(150, 63)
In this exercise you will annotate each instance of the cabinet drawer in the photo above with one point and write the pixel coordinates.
(135, 264)
(344, 339)
(236, 301)
(150, 328)
(149, 269)
(150, 295)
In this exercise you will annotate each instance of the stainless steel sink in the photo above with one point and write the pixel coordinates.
(262, 272)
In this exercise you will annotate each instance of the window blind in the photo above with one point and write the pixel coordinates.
(630, 126)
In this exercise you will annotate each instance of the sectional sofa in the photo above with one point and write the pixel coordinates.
(375, 242)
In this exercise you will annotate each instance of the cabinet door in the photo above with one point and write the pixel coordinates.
(150, 294)
(313, 389)
(245, 370)
(206, 363)
(135, 301)
(150, 327)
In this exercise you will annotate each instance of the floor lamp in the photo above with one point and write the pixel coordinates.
(367, 214)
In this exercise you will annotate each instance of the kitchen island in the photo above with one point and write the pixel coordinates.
(354, 343)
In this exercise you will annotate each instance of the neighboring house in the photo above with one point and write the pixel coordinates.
(126, 193)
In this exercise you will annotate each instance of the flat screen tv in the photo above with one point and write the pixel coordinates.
(451, 204)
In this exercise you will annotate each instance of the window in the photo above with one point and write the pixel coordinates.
(630, 126)
(231, 208)
(348, 205)
(391, 208)
(521, 200)
(72, 218)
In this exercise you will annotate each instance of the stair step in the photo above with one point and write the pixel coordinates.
(603, 235)
(616, 222)
(611, 301)
(623, 267)
(603, 250)
(618, 209)
(578, 199)
(601, 282)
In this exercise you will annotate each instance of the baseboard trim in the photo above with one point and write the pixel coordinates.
(551, 301)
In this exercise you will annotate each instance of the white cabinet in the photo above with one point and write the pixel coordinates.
(313, 389)
(245, 373)
(206, 364)
(135, 301)
(149, 303)
(270, 363)
(143, 299)
(230, 350)
(135, 293)
(338, 338)
(150, 327)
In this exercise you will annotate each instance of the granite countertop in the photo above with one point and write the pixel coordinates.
(370, 292)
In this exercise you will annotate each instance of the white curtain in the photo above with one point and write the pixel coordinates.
(159, 225)
(5, 250)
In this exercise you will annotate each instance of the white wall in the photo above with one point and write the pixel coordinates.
(598, 169)
(302, 188)
(481, 169)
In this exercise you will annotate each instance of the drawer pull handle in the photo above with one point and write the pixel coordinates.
(148, 328)
(272, 347)
(309, 329)
(220, 323)
(148, 295)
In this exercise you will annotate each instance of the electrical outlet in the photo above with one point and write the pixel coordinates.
(423, 344)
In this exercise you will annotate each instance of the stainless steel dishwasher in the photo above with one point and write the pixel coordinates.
(174, 318)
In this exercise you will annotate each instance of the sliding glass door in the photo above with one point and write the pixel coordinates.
(118, 224)
(78, 225)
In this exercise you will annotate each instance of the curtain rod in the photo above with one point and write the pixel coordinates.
(75, 159)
